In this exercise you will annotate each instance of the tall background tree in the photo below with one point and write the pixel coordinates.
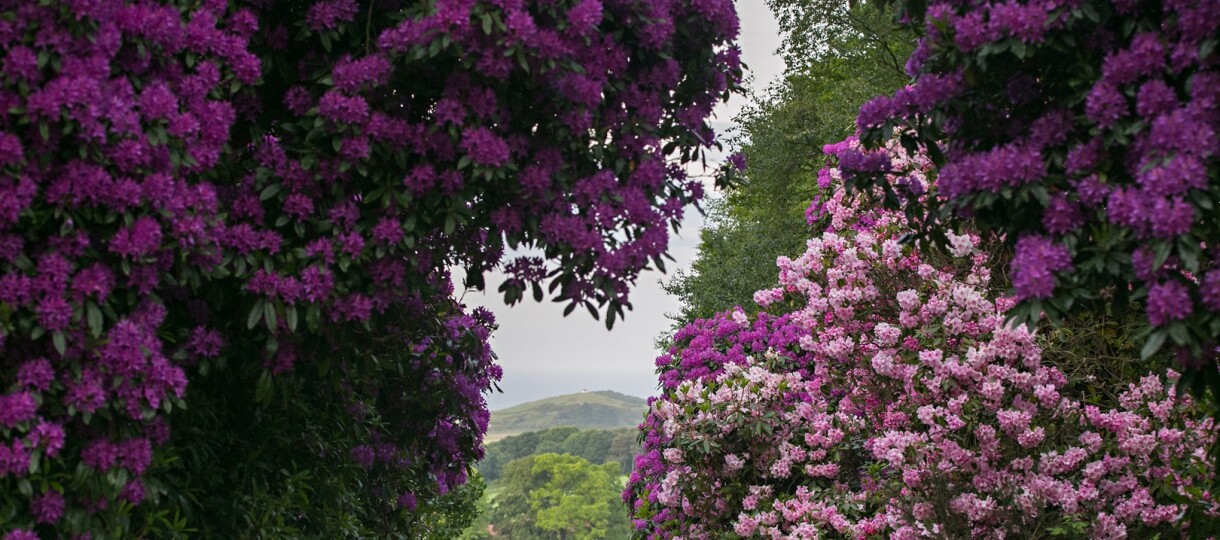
(838, 56)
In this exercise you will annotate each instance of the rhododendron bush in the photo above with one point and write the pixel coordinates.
(881, 394)
(1085, 131)
(234, 192)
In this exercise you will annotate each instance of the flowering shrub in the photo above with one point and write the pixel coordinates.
(199, 189)
(1084, 131)
(882, 395)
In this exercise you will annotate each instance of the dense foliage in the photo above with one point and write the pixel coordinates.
(881, 394)
(313, 454)
(597, 446)
(262, 200)
(1085, 132)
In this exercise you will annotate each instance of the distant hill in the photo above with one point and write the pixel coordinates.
(603, 409)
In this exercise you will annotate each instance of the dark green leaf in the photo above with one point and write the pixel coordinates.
(95, 320)
(256, 315)
(269, 316)
(264, 390)
(60, 342)
(1154, 343)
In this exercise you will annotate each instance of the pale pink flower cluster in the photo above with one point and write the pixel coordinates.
(902, 406)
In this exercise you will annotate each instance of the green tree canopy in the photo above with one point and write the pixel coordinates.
(556, 496)
(577, 498)
(593, 445)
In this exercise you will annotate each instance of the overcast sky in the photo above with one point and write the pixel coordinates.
(544, 353)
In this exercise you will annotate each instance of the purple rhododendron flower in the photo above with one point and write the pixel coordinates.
(50, 436)
(1183, 131)
(1061, 215)
(485, 147)
(1171, 217)
(100, 454)
(738, 161)
(874, 112)
(408, 501)
(133, 492)
(1145, 55)
(1034, 262)
(298, 205)
(141, 239)
(585, 16)
(11, 151)
(1143, 261)
(1026, 22)
(135, 454)
(388, 231)
(205, 342)
(14, 458)
(970, 31)
(1105, 105)
(54, 313)
(1155, 98)
(342, 109)
(1009, 165)
(364, 456)
(1209, 290)
(87, 393)
(297, 100)
(47, 507)
(1168, 301)
(326, 14)
(813, 213)
(37, 374)
(22, 63)
(17, 408)
(1084, 157)
(95, 281)
(854, 161)
(1176, 177)
(350, 75)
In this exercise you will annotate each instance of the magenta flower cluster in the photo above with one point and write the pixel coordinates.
(186, 186)
(881, 395)
(1109, 153)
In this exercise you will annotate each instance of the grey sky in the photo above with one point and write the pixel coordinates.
(544, 353)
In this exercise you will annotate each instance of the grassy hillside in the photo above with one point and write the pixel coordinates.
(587, 410)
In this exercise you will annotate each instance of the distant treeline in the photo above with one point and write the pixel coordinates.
(596, 446)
